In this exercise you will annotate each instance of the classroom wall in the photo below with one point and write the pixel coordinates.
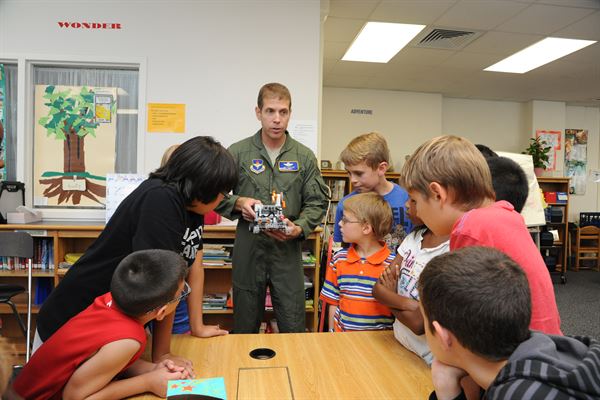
(500, 125)
(211, 55)
(407, 119)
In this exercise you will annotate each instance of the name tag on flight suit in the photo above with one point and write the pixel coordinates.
(288, 166)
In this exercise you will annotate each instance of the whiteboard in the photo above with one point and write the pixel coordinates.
(533, 211)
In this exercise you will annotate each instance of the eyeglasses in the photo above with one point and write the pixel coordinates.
(347, 221)
(184, 293)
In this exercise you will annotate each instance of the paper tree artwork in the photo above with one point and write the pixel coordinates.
(209, 389)
(74, 144)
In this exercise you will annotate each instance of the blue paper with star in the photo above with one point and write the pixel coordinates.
(207, 388)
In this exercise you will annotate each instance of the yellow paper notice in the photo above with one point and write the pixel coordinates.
(166, 118)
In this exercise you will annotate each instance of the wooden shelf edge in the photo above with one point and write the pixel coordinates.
(23, 273)
(21, 308)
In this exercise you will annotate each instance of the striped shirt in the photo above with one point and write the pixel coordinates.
(349, 285)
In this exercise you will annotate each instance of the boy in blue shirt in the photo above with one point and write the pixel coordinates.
(366, 159)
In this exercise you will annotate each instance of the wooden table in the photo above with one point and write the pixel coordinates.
(357, 365)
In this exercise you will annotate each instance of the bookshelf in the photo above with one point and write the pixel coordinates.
(340, 185)
(76, 237)
(557, 252)
(217, 278)
(52, 240)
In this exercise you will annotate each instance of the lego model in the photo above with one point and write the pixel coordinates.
(270, 216)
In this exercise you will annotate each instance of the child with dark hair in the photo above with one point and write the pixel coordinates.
(508, 178)
(350, 277)
(476, 307)
(509, 181)
(107, 338)
(164, 212)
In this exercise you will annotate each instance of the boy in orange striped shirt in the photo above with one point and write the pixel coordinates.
(350, 277)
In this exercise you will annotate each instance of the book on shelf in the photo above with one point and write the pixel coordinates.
(217, 255)
(337, 187)
(43, 257)
(214, 301)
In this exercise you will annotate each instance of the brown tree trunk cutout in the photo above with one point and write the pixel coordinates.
(73, 161)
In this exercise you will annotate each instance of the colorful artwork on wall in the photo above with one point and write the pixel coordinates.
(74, 145)
(576, 159)
(552, 139)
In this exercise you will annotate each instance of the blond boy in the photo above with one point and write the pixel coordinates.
(367, 158)
(353, 272)
(450, 182)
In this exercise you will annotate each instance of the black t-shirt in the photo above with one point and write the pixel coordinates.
(153, 216)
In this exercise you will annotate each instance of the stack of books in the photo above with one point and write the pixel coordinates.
(214, 301)
(217, 255)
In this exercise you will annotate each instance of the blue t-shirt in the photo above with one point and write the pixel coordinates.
(402, 226)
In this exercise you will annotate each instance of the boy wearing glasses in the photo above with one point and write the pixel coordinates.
(106, 340)
(353, 272)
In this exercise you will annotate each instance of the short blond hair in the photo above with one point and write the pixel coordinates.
(370, 148)
(371, 208)
(456, 164)
(273, 90)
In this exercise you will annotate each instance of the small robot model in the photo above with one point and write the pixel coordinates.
(270, 216)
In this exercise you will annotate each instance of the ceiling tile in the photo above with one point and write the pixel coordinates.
(411, 11)
(418, 56)
(356, 68)
(342, 29)
(543, 19)
(471, 61)
(502, 43)
(476, 14)
(345, 81)
(587, 28)
(360, 9)
(335, 50)
(572, 3)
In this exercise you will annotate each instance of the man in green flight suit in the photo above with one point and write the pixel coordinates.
(268, 161)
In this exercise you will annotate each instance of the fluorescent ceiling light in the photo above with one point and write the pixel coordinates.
(538, 54)
(380, 41)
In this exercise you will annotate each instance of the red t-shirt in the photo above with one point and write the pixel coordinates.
(53, 364)
(501, 227)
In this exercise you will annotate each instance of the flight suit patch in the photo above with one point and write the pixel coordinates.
(288, 166)
(257, 166)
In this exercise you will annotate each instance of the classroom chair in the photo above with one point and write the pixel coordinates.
(18, 244)
(587, 246)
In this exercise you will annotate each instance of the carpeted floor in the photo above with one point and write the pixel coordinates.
(579, 303)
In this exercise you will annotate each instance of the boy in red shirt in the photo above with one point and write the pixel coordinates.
(450, 182)
(85, 355)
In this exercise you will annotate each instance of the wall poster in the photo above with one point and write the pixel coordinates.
(74, 145)
(552, 139)
(576, 159)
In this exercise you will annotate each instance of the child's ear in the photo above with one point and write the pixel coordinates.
(161, 313)
(438, 192)
(382, 167)
(367, 229)
(445, 337)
